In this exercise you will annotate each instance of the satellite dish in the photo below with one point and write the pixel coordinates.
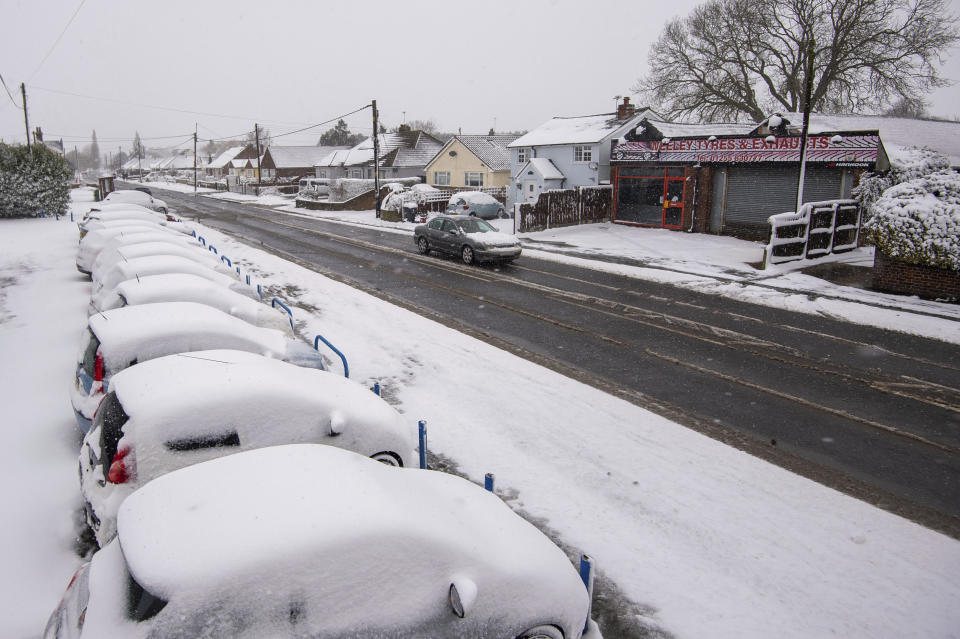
(593, 165)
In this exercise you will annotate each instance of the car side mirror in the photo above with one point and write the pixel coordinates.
(462, 595)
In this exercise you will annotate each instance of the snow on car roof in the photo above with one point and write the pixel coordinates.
(315, 525)
(478, 197)
(267, 401)
(138, 333)
(128, 196)
(188, 287)
(156, 264)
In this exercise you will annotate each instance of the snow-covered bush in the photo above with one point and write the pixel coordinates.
(344, 189)
(905, 164)
(918, 221)
(27, 186)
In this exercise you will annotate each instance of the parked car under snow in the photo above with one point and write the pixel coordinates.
(235, 300)
(475, 204)
(101, 219)
(105, 284)
(135, 196)
(180, 410)
(119, 233)
(313, 541)
(110, 257)
(123, 337)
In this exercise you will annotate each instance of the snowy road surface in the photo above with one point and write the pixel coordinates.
(710, 541)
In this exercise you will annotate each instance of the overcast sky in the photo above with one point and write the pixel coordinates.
(289, 64)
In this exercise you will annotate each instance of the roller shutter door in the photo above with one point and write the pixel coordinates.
(754, 193)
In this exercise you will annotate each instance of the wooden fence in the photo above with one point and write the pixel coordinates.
(569, 207)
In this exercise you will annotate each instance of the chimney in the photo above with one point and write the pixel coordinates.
(625, 110)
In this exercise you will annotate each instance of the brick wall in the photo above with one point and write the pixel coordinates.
(894, 276)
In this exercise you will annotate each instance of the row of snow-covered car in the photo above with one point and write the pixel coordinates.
(239, 485)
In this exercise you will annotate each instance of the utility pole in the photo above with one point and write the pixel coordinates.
(194, 158)
(119, 159)
(806, 121)
(256, 133)
(376, 155)
(139, 168)
(76, 159)
(26, 120)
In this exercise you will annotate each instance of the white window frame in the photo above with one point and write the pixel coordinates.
(522, 155)
(467, 178)
(582, 153)
(441, 178)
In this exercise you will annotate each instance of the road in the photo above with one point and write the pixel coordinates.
(873, 413)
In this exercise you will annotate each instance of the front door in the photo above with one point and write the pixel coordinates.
(530, 191)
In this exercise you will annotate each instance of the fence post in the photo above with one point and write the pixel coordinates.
(423, 444)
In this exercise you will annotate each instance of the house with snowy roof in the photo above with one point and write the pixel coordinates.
(220, 165)
(404, 153)
(291, 162)
(471, 161)
(570, 152)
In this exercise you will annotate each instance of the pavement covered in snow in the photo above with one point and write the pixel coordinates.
(708, 541)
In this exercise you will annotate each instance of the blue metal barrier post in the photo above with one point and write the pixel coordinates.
(343, 358)
(376, 388)
(423, 444)
(586, 574)
(488, 480)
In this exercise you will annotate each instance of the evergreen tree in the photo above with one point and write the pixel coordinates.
(29, 186)
(138, 150)
(340, 135)
(94, 151)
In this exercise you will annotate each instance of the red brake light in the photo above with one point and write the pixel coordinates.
(98, 367)
(122, 469)
(466, 206)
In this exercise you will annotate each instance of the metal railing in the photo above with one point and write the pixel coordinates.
(818, 229)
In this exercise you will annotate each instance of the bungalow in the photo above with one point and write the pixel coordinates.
(471, 161)
(220, 165)
(572, 151)
(729, 178)
(404, 153)
(293, 162)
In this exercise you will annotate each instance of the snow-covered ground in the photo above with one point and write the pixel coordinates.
(710, 541)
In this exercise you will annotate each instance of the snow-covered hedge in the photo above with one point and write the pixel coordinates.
(27, 186)
(905, 164)
(918, 221)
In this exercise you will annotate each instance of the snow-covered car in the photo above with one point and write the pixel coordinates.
(120, 234)
(105, 283)
(237, 300)
(123, 337)
(110, 256)
(308, 540)
(476, 204)
(470, 238)
(135, 196)
(101, 219)
(180, 410)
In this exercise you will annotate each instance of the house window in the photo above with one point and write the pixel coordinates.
(441, 178)
(582, 154)
(471, 178)
(356, 173)
(521, 156)
(323, 173)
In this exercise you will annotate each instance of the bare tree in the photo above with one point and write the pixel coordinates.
(739, 59)
(423, 125)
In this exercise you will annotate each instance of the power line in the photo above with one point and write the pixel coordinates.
(4, 83)
(57, 41)
(158, 107)
(86, 137)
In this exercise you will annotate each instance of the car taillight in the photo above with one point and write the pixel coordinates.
(123, 468)
(466, 207)
(98, 368)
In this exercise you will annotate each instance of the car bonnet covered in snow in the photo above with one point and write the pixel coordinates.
(96, 240)
(310, 540)
(110, 256)
(215, 395)
(237, 300)
(138, 333)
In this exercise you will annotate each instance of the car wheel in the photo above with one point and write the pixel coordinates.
(541, 632)
(466, 254)
(422, 247)
(388, 458)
